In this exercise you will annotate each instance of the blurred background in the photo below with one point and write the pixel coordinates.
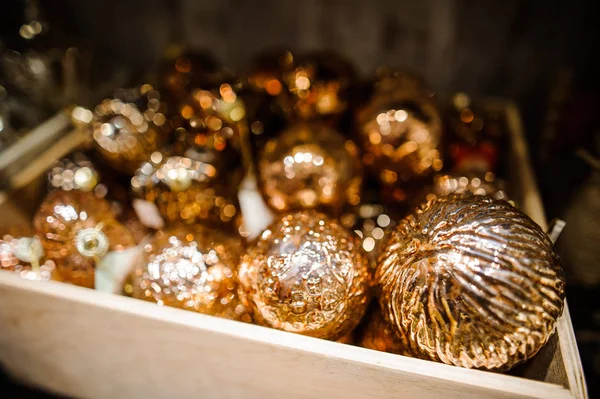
(541, 54)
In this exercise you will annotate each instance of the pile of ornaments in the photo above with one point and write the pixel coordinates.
(377, 239)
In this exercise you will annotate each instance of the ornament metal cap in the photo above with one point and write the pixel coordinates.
(92, 242)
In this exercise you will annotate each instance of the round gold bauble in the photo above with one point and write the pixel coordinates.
(400, 132)
(471, 281)
(306, 274)
(318, 87)
(75, 173)
(77, 229)
(372, 224)
(193, 268)
(310, 166)
(485, 184)
(185, 191)
(209, 127)
(124, 134)
(378, 334)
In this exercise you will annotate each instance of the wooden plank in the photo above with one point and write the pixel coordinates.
(85, 343)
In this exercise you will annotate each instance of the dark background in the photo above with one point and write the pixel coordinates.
(540, 53)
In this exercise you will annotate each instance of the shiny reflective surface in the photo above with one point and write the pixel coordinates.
(76, 173)
(485, 184)
(124, 133)
(317, 87)
(76, 229)
(476, 136)
(471, 281)
(306, 274)
(310, 166)
(32, 266)
(184, 71)
(193, 268)
(378, 334)
(209, 127)
(269, 70)
(371, 223)
(400, 132)
(185, 190)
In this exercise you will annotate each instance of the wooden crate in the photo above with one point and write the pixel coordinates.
(84, 343)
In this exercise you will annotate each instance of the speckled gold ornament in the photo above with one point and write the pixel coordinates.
(193, 268)
(306, 274)
(76, 230)
(378, 334)
(74, 173)
(400, 131)
(126, 135)
(310, 166)
(471, 281)
(25, 256)
(186, 190)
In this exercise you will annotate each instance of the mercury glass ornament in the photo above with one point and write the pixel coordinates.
(463, 183)
(379, 335)
(371, 223)
(186, 191)
(124, 135)
(306, 274)
(269, 71)
(318, 87)
(210, 127)
(25, 256)
(148, 101)
(266, 84)
(75, 173)
(77, 229)
(193, 268)
(310, 166)
(471, 281)
(400, 131)
(186, 71)
(476, 136)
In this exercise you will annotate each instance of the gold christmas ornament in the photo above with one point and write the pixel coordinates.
(306, 274)
(476, 137)
(269, 71)
(379, 335)
(471, 281)
(310, 166)
(193, 268)
(210, 128)
(77, 229)
(25, 256)
(125, 135)
(317, 87)
(76, 173)
(485, 184)
(371, 223)
(183, 72)
(347, 339)
(186, 190)
(132, 222)
(400, 131)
